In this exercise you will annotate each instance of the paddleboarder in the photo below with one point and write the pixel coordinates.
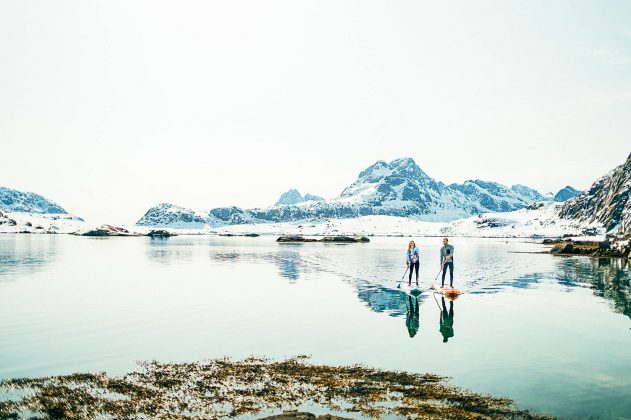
(412, 260)
(447, 262)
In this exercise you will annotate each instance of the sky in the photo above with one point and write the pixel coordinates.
(109, 108)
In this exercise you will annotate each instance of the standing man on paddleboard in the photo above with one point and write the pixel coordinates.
(412, 260)
(447, 262)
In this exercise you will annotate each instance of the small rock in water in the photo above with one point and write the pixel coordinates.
(161, 233)
(345, 239)
(327, 239)
(108, 230)
(295, 238)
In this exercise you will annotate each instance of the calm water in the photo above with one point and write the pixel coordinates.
(552, 333)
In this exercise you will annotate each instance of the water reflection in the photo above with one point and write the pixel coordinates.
(290, 263)
(412, 319)
(167, 251)
(26, 253)
(446, 320)
(382, 299)
(608, 276)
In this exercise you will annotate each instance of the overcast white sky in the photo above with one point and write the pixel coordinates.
(111, 107)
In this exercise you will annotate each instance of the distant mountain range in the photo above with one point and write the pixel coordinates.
(397, 188)
(17, 201)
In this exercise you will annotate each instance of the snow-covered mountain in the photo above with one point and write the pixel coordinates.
(27, 212)
(397, 188)
(566, 193)
(18, 201)
(496, 197)
(169, 215)
(606, 201)
(293, 197)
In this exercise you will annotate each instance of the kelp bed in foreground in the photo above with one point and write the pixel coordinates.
(226, 388)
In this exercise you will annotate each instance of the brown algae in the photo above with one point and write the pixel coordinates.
(222, 388)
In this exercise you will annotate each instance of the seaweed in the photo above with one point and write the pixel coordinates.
(223, 388)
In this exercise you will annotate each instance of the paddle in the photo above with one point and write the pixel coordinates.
(436, 278)
(402, 277)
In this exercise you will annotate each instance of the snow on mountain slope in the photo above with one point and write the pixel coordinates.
(606, 201)
(397, 188)
(169, 215)
(493, 196)
(23, 222)
(528, 193)
(535, 221)
(18, 201)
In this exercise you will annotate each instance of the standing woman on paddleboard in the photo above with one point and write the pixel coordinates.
(412, 260)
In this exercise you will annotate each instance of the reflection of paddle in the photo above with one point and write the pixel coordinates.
(402, 277)
(437, 304)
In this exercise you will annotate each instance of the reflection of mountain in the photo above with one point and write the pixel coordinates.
(168, 251)
(609, 278)
(290, 263)
(382, 299)
(27, 253)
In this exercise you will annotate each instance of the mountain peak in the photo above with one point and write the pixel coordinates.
(566, 193)
(290, 197)
(293, 196)
(404, 167)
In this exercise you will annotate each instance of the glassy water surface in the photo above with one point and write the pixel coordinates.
(551, 333)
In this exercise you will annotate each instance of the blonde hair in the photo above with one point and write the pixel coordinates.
(411, 245)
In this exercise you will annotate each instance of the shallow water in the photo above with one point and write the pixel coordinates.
(552, 333)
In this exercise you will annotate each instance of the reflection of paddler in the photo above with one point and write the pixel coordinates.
(447, 320)
(412, 318)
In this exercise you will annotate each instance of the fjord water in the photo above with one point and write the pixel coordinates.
(551, 333)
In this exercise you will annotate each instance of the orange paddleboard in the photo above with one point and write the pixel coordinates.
(448, 291)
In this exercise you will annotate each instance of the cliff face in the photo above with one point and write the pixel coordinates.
(606, 201)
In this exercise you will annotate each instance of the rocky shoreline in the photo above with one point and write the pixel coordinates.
(612, 247)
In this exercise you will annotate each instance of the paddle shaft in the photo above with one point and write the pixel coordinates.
(439, 271)
(404, 273)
